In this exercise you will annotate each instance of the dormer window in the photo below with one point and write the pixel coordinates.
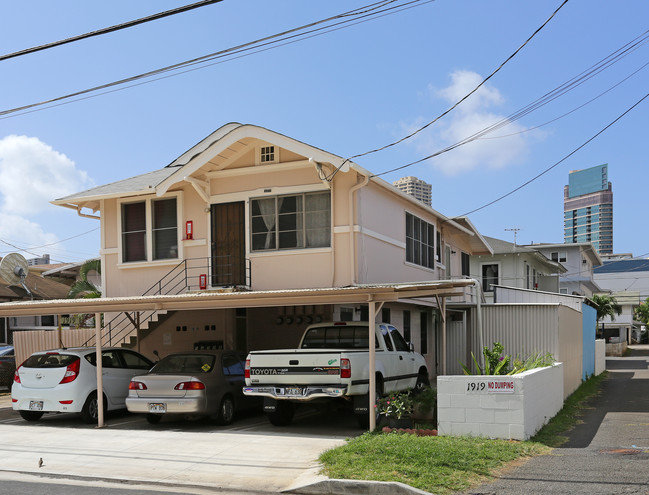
(267, 154)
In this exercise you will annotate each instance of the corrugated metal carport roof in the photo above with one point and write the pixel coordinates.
(220, 299)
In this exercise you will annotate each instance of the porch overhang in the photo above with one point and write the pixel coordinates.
(249, 299)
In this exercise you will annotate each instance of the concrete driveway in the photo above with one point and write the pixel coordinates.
(250, 455)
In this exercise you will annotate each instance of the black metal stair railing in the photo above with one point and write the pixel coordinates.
(191, 274)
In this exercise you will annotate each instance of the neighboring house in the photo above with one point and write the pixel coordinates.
(39, 289)
(627, 279)
(510, 265)
(579, 259)
(248, 209)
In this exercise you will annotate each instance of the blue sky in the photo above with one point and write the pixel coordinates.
(348, 91)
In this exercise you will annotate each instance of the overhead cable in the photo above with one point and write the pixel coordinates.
(560, 161)
(412, 134)
(561, 90)
(367, 12)
(110, 29)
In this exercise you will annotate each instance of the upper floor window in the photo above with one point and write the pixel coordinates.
(560, 256)
(420, 241)
(489, 277)
(291, 222)
(149, 230)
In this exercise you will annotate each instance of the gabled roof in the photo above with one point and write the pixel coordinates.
(586, 248)
(227, 141)
(140, 184)
(479, 244)
(503, 247)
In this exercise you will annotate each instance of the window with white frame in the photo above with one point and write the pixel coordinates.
(295, 221)
(560, 256)
(149, 230)
(489, 277)
(420, 241)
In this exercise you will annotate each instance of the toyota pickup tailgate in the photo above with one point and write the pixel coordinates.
(294, 367)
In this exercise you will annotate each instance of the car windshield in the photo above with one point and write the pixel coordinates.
(6, 351)
(53, 360)
(185, 363)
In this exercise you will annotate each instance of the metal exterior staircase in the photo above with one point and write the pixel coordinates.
(185, 277)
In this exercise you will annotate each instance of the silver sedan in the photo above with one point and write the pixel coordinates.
(202, 383)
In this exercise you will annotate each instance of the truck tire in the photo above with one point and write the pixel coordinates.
(364, 419)
(422, 380)
(283, 413)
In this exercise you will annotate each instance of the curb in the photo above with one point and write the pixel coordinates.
(356, 487)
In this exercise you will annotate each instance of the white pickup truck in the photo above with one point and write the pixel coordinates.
(332, 362)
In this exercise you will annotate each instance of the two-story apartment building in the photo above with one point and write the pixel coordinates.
(580, 259)
(249, 209)
(511, 265)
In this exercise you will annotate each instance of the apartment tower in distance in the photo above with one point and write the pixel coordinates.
(588, 208)
(418, 188)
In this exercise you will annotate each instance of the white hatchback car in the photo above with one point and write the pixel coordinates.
(65, 380)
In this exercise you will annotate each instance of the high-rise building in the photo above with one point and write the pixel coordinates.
(418, 188)
(588, 208)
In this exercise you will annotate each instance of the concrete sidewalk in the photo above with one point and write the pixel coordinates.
(236, 461)
(606, 453)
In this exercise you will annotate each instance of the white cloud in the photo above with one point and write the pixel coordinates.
(31, 175)
(471, 116)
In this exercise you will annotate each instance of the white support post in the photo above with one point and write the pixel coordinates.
(100, 380)
(372, 364)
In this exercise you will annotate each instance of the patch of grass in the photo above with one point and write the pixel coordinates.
(553, 433)
(443, 465)
(439, 465)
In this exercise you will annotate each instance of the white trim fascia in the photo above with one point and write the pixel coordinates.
(258, 169)
(375, 235)
(194, 242)
(109, 251)
(200, 186)
(250, 132)
(288, 252)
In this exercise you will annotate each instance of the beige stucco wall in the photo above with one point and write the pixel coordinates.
(183, 329)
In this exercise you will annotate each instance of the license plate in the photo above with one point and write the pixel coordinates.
(294, 391)
(157, 408)
(36, 405)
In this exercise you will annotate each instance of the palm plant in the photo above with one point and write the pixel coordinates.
(84, 288)
(606, 306)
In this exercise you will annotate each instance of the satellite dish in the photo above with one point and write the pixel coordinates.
(14, 269)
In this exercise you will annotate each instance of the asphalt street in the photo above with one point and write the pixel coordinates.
(606, 453)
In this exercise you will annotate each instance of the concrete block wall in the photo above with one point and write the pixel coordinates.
(510, 407)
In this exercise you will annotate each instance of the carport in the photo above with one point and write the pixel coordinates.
(372, 295)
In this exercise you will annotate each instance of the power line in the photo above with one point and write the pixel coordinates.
(560, 90)
(443, 114)
(560, 161)
(368, 12)
(110, 29)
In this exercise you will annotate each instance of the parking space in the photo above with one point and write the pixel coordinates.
(323, 420)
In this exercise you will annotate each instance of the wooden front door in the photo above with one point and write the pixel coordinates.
(228, 244)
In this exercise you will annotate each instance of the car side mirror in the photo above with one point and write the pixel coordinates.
(411, 346)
